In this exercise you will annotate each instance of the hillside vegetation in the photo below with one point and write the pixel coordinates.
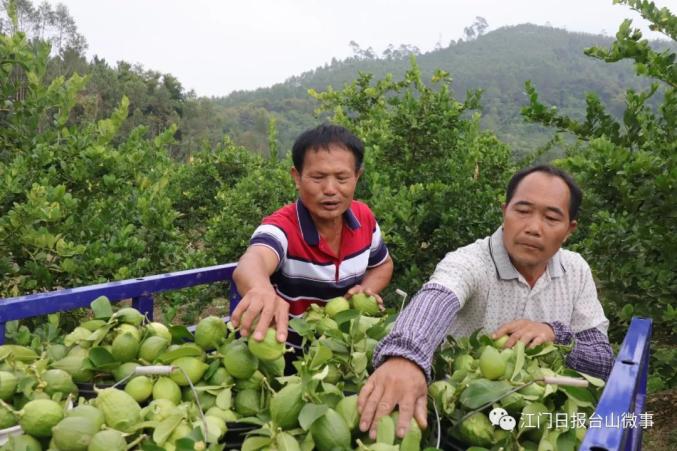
(96, 185)
(498, 63)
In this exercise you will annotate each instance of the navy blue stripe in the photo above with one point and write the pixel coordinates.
(268, 240)
(308, 229)
(328, 262)
(378, 255)
(294, 288)
(351, 220)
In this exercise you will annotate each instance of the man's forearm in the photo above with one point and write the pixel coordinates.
(253, 270)
(377, 278)
(421, 327)
(592, 353)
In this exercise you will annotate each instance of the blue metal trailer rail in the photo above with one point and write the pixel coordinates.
(620, 409)
(139, 290)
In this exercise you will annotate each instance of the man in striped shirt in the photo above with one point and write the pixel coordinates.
(322, 246)
(516, 282)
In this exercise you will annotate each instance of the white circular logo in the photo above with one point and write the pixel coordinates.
(507, 423)
(499, 417)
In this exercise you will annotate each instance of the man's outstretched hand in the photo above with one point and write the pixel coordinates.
(262, 307)
(360, 289)
(531, 333)
(397, 382)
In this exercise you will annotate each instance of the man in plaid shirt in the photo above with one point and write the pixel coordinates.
(517, 282)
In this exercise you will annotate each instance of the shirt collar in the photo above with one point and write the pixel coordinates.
(504, 267)
(308, 229)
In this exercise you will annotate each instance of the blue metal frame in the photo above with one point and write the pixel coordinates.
(139, 290)
(625, 393)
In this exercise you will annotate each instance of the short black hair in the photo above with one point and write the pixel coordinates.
(321, 137)
(575, 197)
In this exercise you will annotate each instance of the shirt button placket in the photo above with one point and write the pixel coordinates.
(525, 299)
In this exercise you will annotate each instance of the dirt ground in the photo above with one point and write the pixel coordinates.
(662, 436)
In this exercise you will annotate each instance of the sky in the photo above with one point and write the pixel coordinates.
(215, 47)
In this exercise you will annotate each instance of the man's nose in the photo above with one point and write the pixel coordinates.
(534, 226)
(330, 187)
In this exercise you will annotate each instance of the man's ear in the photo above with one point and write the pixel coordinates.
(296, 176)
(359, 173)
(572, 227)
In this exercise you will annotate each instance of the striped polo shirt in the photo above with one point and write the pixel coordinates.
(308, 271)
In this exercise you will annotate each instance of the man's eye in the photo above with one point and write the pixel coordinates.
(552, 218)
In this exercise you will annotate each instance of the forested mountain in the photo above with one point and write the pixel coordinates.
(498, 63)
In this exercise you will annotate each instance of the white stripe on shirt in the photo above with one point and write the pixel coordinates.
(276, 232)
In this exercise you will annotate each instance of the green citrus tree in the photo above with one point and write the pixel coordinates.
(433, 178)
(627, 169)
(76, 206)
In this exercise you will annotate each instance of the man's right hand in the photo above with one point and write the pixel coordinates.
(268, 307)
(397, 382)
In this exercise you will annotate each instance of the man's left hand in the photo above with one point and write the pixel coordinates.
(531, 333)
(360, 289)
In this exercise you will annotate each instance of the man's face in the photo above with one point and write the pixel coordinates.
(536, 220)
(327, 182)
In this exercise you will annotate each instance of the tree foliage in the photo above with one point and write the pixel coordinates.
(433, 177)
(629, 176)
(42, 23)
(548, 56)
(74, 207)
(119, 173)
